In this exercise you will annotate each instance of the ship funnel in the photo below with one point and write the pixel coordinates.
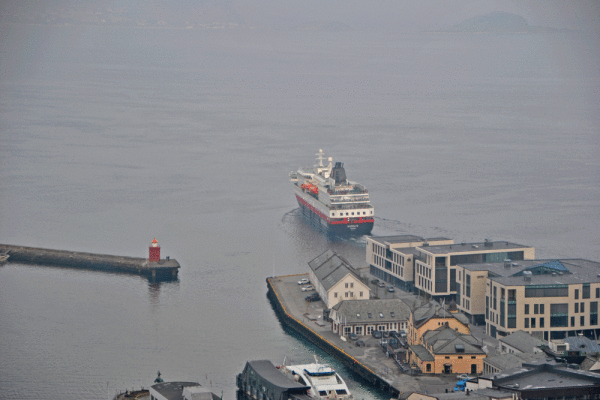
(338, 173)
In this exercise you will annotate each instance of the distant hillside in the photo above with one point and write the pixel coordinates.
(499, 22)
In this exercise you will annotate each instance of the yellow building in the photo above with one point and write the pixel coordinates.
(447, 351)
(431, 316)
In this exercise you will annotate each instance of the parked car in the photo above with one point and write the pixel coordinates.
(360, 343)
(307, 288)
(313, 297)
(303, 281)
(391, 289)
(375, 281)
(464, 377)
(460, 385)
(402, 333)
(377, 334)
(353, 336)
(381, 284)
(386, 334)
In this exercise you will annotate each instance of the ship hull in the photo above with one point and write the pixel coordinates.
(357, 227)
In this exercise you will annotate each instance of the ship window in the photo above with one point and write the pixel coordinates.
(352, 213)
(322, 393)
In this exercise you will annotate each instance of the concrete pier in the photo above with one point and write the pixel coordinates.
(164, 269)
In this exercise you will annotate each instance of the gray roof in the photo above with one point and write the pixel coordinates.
(432, 309)
(522, 341)
(542, 375)
(329, 268)
(357, 311)
(172, 390)
(387, 240)
(472, 247)
(512, 360)
(566, 271)
(479, 394)
(269, 373)
(582, 344)
(421, 352)
(445, 340)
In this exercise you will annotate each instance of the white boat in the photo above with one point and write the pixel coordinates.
(337, 205)
(3, 258)
(324, 381)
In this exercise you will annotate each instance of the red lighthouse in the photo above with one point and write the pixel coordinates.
(154, 252)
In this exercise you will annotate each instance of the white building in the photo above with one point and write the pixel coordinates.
(335, 279)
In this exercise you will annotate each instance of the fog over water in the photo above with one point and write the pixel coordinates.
(113, 135)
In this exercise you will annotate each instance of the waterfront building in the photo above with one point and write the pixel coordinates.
(541, 380)
(436, 266)
(520, 342)
(447, 351)
(431, 316)
(391, 258)
(362, 317)
(550, 299)
(336, 280)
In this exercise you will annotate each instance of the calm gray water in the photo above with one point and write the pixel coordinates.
(109, 138)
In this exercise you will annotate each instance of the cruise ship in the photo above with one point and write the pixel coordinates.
(337, 205)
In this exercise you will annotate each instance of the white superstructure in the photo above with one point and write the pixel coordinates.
(325, 383)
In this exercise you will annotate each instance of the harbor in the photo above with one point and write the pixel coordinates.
(151, 268)
(370, 362)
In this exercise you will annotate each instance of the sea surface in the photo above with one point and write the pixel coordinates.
(110, 137)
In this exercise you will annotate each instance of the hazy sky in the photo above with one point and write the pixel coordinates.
(396, 15)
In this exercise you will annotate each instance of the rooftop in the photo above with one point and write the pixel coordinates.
(522, 341)
(357, 311)
(557, 272)
(329, 268)
(472, 247)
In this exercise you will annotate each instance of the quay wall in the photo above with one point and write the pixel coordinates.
(355, 365)
(102, 262)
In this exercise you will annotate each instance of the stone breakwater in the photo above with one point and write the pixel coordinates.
(163, 269)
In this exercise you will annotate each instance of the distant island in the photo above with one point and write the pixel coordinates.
(498, 22)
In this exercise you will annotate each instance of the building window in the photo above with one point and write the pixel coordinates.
(428, 367)
(576, 307)
(460, 357)
(572, 321)
(526, 309)
(526, 322)
(346, 294)
(335, 294)
(351, 284)
(585, 291)
(447, 357)
(533, 322)
(358, 330)
(361, 294)
(582, 320)
(582, 307)
(576, 294)
(535, 308)
(598, 293)
(473, 357)
(541, 308)
(541, 322)
(346, 285)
